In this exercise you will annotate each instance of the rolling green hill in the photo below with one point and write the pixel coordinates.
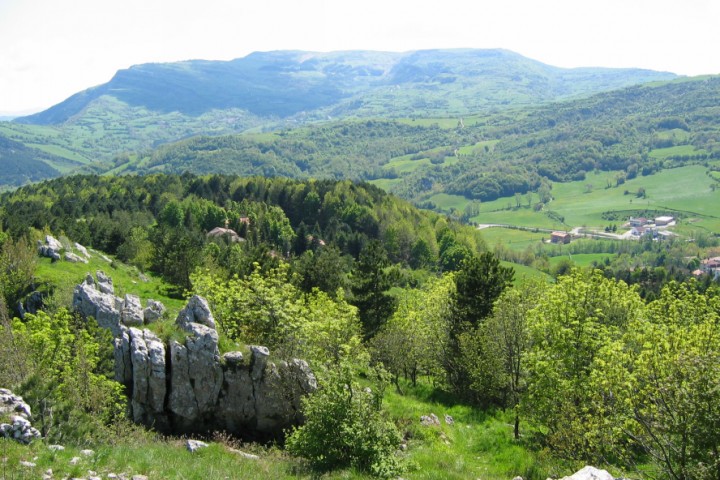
(633, 133)
(285, 83)
(149, 105)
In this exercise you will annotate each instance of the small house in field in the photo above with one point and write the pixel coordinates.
(220, 232)
(711, 265)
(638, 222)
(663, 221)
(560, 237)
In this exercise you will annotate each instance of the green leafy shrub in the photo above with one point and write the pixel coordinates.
(346, 427)
(63, 369)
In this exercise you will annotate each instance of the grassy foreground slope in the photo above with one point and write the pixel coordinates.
(478, 445)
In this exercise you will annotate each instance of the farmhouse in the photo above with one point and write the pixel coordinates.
(663, 221)
(638, 222)
(644, 231)
(710, 265)
(219, 232)
(560, 237)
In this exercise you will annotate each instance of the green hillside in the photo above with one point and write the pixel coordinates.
(153, 104)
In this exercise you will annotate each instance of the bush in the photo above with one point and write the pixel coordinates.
(346, 427)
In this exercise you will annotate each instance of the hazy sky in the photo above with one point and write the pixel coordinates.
(50, 49)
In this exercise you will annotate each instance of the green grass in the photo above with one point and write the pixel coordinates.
(523, 272)
(479, 444)
(126, 279)
(470, 149)
(511, 238)
(446, 202)
(684, 190)
(676, 151)
(581, 259)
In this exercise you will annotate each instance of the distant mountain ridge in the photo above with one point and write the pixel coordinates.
(282, 84)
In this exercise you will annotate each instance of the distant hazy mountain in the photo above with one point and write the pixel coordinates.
(283, 84)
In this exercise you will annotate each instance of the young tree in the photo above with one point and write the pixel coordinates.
(664, 378)
(478, 284)
(370, 288)
(506, 330)
(415, 338)
(574, 320)
(347, 427)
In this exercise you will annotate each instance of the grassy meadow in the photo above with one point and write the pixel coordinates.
(683, 191)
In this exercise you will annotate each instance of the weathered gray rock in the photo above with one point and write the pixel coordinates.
(197, 310)
(97, 299)
(258, 361)
(185, 387)
(104, 283)
(196, 376)
(83, 251)
(147, 355)
(13, 404)
(73, 258)
(132, 311)
(242, 454)
(182, 400)
(90, 301)
(590, 473)
(429, 420)
(195, 445)
(50, 248)
(123, 362)
(153, 311)
(20, 429)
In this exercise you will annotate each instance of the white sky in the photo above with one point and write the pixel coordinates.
(50, 49)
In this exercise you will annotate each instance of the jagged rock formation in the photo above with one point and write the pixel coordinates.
(186, 387)
(50, 248)
(20, 428)
(183, 385)
(98, 300)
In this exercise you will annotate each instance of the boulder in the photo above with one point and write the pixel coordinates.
(19, 429)
(195, 445)
(104, 283)
(83, 251)
(132, 312)
(97, 299)
(13, 404)
(197, 310)
(73, 258)
(147, 355)
(590, 473)
(90, 301)
(153, 311)
(185, 387)
(50, 248)
(123, 363)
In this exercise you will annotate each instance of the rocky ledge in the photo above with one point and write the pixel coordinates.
(183, 385)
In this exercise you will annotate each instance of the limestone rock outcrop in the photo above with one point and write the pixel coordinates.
(98, 300)
(18, 413)
(204, 391)
(182, 385)
(50, 247)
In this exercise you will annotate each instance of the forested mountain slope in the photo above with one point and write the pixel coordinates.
(284, 83)
(152, 104)
(639, 130)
